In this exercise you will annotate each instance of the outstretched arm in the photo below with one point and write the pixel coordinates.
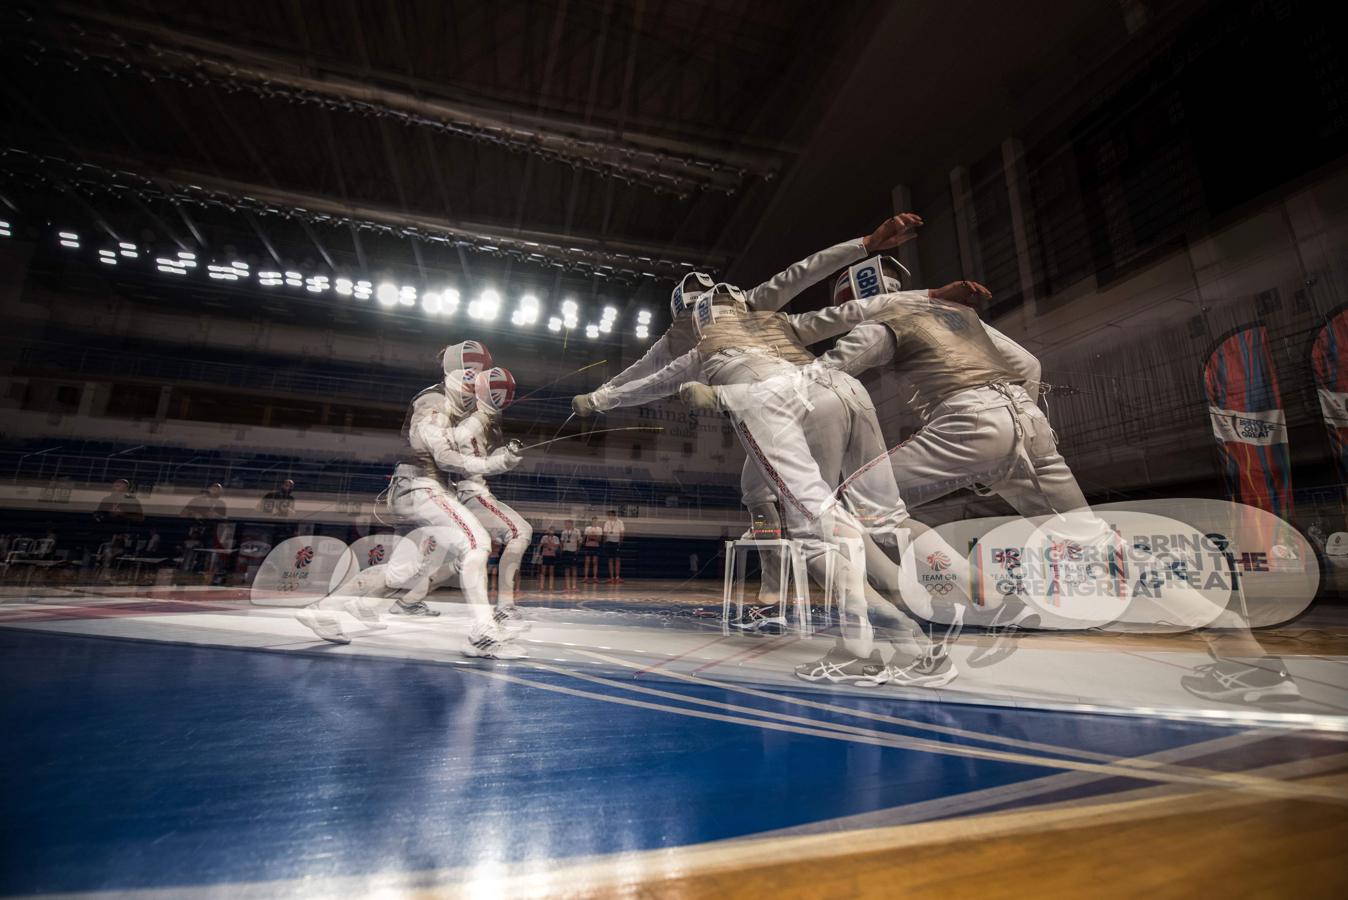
(653, 360)
(864, 347)
(654, 386)
(831, 321)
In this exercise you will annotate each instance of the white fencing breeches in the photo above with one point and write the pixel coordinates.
(996, 437)
(514, 533)
(774, 435)
(446, 532)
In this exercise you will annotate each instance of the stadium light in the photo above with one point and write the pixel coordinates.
(170, 266)
(644, 317)
(430, 303)
(527, 313)
(4, 229)
(344, 287)
(387, 294)
(642, 332)
(592, 331)
(294, 279)
(554, 324)
(449, 301)
(69, 239)
(491, 304)
(128, 250)
(363, 290)
(107, 257)
(270, 279)
(407, 295)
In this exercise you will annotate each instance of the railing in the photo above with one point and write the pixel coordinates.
(198, 469)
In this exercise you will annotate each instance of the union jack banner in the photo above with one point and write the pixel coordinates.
(1245, 408)
(1329, 360)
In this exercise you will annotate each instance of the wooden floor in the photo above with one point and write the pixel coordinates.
(1199, 846)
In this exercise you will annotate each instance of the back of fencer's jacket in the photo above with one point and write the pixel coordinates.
(943, 349)
(734, 328)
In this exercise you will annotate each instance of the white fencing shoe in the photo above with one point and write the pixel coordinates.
(322, 625)
(488, 642)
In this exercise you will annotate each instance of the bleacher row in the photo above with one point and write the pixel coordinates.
(260, 372)
(148, 468)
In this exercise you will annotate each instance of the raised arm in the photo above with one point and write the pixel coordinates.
(653, 387)
(787, 284)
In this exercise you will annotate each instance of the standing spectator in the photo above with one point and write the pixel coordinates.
(548, 547)
(594, 536)
(613, 543)
(280, 501)
(120, 508)
(119, 517)
(207, 507)
(570, 540)
(208, 512)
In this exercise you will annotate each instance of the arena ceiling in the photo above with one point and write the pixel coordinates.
(603, 144)
(599, 138)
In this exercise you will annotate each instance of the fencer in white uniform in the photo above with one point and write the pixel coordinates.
(976, 394)
(446, 536)
(770, 296)
(740, 346)
(681, 336)
(477, 435)
(977, 391)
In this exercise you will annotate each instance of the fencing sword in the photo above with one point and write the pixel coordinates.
(560, 378)
(588, 433)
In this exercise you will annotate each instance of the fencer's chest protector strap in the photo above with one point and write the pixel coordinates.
(943, 349)
(731, 327)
